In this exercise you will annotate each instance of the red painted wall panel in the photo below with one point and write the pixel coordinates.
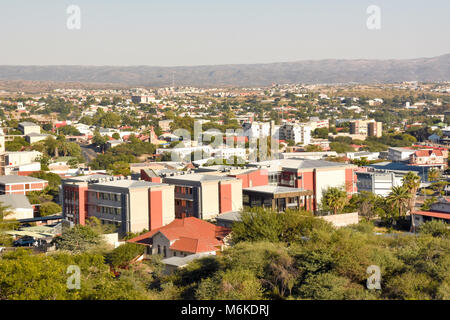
(225, 198)
(156, 209)
(349, 180)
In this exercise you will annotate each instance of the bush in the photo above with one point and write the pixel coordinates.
(49, 208)
(122, 255)
(435, 228)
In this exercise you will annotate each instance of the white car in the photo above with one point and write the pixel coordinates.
(1, 249)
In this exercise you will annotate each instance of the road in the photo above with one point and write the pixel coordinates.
(88, 153)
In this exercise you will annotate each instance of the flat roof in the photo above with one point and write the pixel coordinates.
(273, 189)
(15, 201)
(10, 179)
(230, 216)
(28, 124)
(129, 184)
(182, 261)
(199, 177)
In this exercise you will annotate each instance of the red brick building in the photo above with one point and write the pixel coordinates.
(21, 184)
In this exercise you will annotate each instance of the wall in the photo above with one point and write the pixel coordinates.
(342, 220)
(328, 178)
(210, 200)
(139, 204)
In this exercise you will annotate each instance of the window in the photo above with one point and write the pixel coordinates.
(159, 249)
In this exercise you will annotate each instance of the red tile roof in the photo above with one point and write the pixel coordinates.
(190, 235)
(433, 214)
(427, 153)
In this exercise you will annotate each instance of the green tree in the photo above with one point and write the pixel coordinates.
(434, 174)
(334, 199)
(49, 208)
(78, 239)
(123, 254)
(398, 199)
(411, 181)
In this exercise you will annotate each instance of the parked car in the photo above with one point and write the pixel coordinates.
(2, 249)
(25, 241)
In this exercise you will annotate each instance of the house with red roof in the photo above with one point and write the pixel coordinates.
(183, 237)
(429, 157)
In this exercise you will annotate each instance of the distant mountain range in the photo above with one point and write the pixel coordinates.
(310, 71)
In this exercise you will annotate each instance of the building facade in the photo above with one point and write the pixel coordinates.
(130, 205)
(21, 184)
(205, 196)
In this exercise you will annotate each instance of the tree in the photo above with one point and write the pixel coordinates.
(439, 186)
(6, 240)
(120, 168)
(411, 181)
(335, 199)
(99, 140)
(230, 285)
(313, 148)
(123, 254)
(435, 228)
(49, 208)
(398, 199)
(78, 239)
(434, 174)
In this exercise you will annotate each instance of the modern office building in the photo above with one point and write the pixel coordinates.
(379, 183)
(205, 196)
(130, 205)
(313, 175)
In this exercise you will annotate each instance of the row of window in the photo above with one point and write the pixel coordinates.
(108, 210)
(108, 196)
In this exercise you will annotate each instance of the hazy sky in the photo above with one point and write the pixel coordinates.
(203, 32)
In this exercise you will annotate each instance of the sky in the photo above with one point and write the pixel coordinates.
(210, 32)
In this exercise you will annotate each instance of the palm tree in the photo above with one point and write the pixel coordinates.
(411, 182)
(434, 174)
(398, 198)
(335, 199)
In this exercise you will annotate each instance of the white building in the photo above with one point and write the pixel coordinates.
(399, 154)
(299, 133)
(379, 183)
(255, 130)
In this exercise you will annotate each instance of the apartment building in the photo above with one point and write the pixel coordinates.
(205, 196)
(255, 130)
(369, 128)
(143, 99)
(130, 205)
(299, 133)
